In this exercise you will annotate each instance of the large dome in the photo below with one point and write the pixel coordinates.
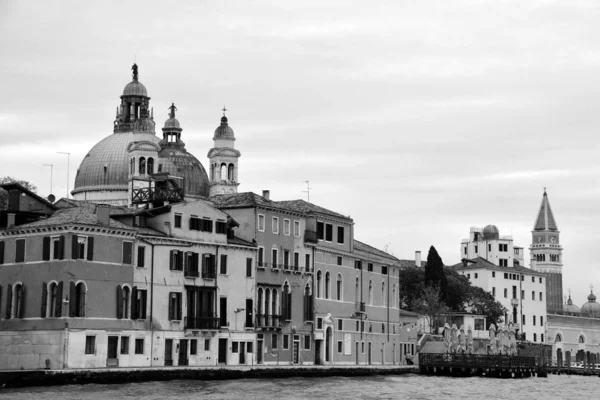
(106, 166)
(135, 88)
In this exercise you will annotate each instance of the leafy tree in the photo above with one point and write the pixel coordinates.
(434, 272)
(4, 194)
(412, 281)
(431, 306)
(483, 302)
(457, 291)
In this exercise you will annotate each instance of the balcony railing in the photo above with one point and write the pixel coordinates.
(359, 307)
(268, 321)
(191, 272)
(201, 322)
(310, 237)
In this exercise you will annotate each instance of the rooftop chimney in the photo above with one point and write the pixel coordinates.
(10, 220)
(103, 213)
(266, 194)
(418, 258)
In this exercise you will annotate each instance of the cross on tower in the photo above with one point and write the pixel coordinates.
(591, 288)
(224, 109)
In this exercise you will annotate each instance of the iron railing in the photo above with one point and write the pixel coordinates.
(201, 322)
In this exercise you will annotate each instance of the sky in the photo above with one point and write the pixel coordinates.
(419, 119)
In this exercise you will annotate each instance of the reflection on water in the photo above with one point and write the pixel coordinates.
(375, 387)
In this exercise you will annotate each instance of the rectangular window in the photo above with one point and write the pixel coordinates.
(175, 306)
(286, 259)
(127, 253)
(234, 347)
(503, 262)
(307, 262)
(328, 232)
(274, 258)
(56, 248)
(177, 223)
(362, 347)
(384, 270)
(476, 275)
(124, 344)
(505, 293)
(523, 319)
(249, 347)
(248, 267)
(532, 295)
(319, 323)
(306, 342)
(139, 297)
(522, 294)
(494, 291)
(90, 345)
(261, 223)
(468, 276)
(340, 235)
(541, 322)
(493, 274)
(541, 297)
(193, 347)
(514, 292)
(139, 346)
(489, 247)
(206, 344)
(533, 320)
(479, 325)
(274, 343)
(465, 250)
(286, 342)
(20, 254)
(339, 261)
(223, 265)
(340, 324)
(320, 230)
(475, 249)
(286, 227)
(275, 225)
(540, 280)
(221, 227)
(340, 346)
(505, 275)
(297, 228)
(296, 261)
(370, 267)
(141, 256)
(261, 255)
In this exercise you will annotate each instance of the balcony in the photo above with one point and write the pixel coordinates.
(359, 307)
(191, 273)
(514, 302)
(201, 323)
(268, 321)
(310, 237)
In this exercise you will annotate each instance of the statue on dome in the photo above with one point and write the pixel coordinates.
(134, 68)
(173, 109)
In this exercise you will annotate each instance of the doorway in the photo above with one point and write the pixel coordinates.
(318, 360)
(222, 351)
(168, 352)
(111, 357)
(328, 337)
(183, 352)
(259, 351)
(296, 355)
(242, 353)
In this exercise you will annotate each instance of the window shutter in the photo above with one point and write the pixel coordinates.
(171, 260)
(90, 249)
(46, 248)
(59, 291)
(213, 264)
(203, 265)
(61, 247)
(170, 301)
(44, 298)
(23, 296)
(72, 297)
(119, 302)
(191, 223)
(74, 248)
(180, 261)
(8, 301)
(134, 303)
(143, 305)
(1, 252)
(195, 261)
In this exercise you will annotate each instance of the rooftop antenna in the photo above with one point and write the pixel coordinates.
(68, 164)
(51, 168)
(307, 191)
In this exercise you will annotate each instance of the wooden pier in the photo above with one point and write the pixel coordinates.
(498, 366)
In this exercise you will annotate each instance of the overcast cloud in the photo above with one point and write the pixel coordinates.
(419, 119)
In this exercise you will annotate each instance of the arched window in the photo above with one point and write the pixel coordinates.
(77, 299)
(16, 299)
(581, 339)
(126, 302)
(142, 166)
(275, 304)
(338, 288)
(357, 290)
(558, 338)
(150, 165)
(371, 292)
(230, 172)
(132, 166)
(383, 296)
(327, 285)
(52, 299)
(286, 297)
(319, 283)
(223, 172)
(394, 296)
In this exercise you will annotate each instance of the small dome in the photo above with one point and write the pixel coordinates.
(172, 123)
(592, 297)
(570, 307)
(491, 232)
(135, 88)
(591, 308)
(224, 131)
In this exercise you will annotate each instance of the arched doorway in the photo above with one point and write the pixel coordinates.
(328, 340)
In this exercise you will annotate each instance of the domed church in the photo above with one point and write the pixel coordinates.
(134, 166)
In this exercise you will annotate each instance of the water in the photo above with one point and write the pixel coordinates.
(375, 387)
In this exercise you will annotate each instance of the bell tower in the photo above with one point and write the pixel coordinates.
(223, 160)
(546, 254)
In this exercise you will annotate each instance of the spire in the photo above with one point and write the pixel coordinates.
(134, 68)
(545, 219)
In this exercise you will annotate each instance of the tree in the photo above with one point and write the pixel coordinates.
(431, 306)
(4, 194)
(412, 281)
(483, 302)
(434, 272)
(457, 292)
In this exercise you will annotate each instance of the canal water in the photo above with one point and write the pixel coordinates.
(375, 387)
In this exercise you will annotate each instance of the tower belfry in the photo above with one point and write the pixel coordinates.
(223, 160)
(546, 254)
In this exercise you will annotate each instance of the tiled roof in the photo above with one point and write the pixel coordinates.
(545, 219)
(243, 200)
(479, 263)
(309, 208)
(360, 246)
(16, 185)
(410, 263)
(84, 216)
(240, 242)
